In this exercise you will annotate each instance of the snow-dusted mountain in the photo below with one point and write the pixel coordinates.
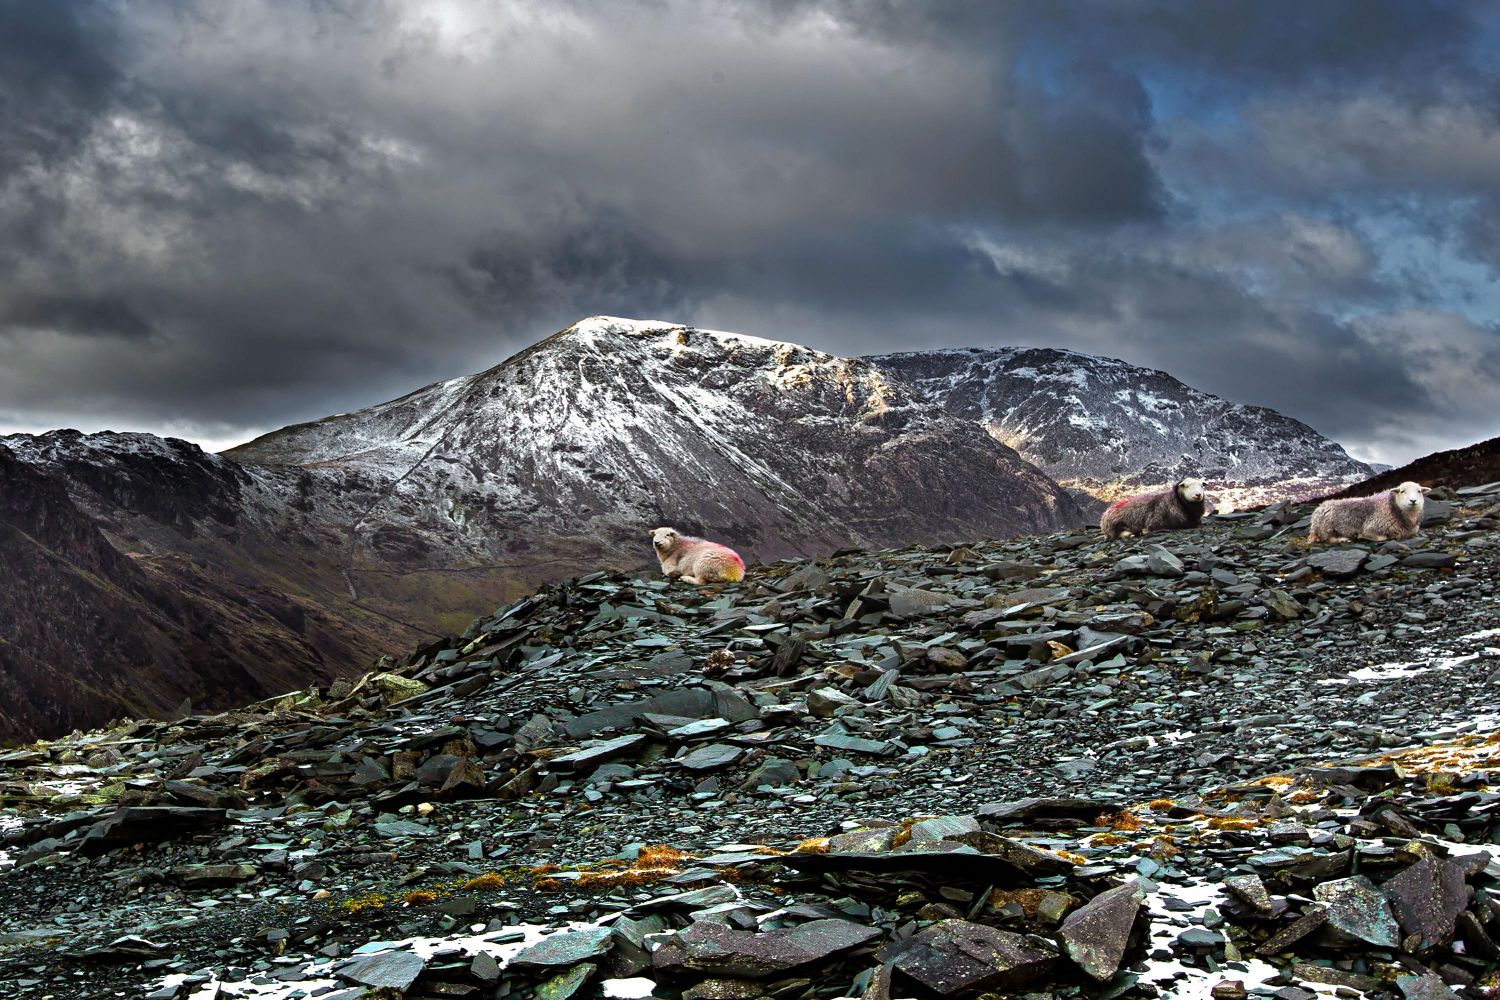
(614, 426)
(1110, 428)
(150, 571)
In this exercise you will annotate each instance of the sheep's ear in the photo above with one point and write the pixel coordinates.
(1425, 489)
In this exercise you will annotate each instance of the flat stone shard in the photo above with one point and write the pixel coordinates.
(1250, 890)
(1427, 898)
(1427, 987)
(566, 985)
(1097, 934)
(1339, 563)
(621, 746)
(1358, 910)
(393, 969)
(724, 951)
(954, 957)
(567, 948)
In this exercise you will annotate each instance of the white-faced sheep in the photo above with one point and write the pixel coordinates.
(694, 560)
(1181, 506)
(1390, 514)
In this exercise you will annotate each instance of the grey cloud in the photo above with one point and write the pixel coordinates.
(244, 215)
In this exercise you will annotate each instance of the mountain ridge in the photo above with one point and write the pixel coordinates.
(1110, 428)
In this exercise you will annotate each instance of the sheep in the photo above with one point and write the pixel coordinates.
(1181, 506)
(1388, 515)
(695, 560)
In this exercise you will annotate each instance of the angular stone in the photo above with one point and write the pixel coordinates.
(725, 951)
(808, 576)
(954, 957)
(824, 703)
(1096, 935)
(203, 875)
(589, 757)
(1250, 890)
(1429, 560)
(940, 828)
(1358, 910)
(1298, 929)
(1309, 973)
(909, 602)
(1428, 987)
(723, 988)
(1160, 562)
(392, 969)
(855, 744)
(565, 985)
(566, 948)
(713, 757)
(394, 687)
(1427, 898)
(1046, 810)
(1338, 563)
(774, 772)
(146, 824)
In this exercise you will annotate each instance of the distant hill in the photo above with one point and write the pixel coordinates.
(1476, 465)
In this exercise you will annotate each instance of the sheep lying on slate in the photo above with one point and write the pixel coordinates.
(1391, 514)
(1181, 506)
(694, 560)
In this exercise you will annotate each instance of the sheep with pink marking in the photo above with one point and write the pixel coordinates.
(696, 560)
(1182, 506)
(1390, 515)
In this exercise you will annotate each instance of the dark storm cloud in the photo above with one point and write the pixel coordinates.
(226, 217)
(58, 73)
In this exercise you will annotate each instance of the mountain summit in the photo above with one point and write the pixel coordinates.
(563, 455)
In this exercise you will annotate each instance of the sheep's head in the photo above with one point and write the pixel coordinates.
(1190, 490)
(664, 540)
(1408, 496)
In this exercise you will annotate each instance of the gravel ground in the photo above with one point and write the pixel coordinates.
(816, 699)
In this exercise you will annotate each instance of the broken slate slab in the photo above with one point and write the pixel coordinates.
(1339, 563)
(856, 744)
(1096, 935)
(1043, 811)
(954, 957)
(1427, 898)
(1251, 891)
(393, 969)
(567, 948)
(589, 757)
(724, 951)
(1357, 910)
(713, 757)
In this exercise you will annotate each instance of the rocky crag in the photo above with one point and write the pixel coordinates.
(1215, 763)
(1111, 429)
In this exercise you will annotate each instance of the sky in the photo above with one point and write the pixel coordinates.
(217, 219)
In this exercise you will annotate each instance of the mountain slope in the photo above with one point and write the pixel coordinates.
(1111, 428)
(1476, 465)
(141, 571)
(564, 455)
